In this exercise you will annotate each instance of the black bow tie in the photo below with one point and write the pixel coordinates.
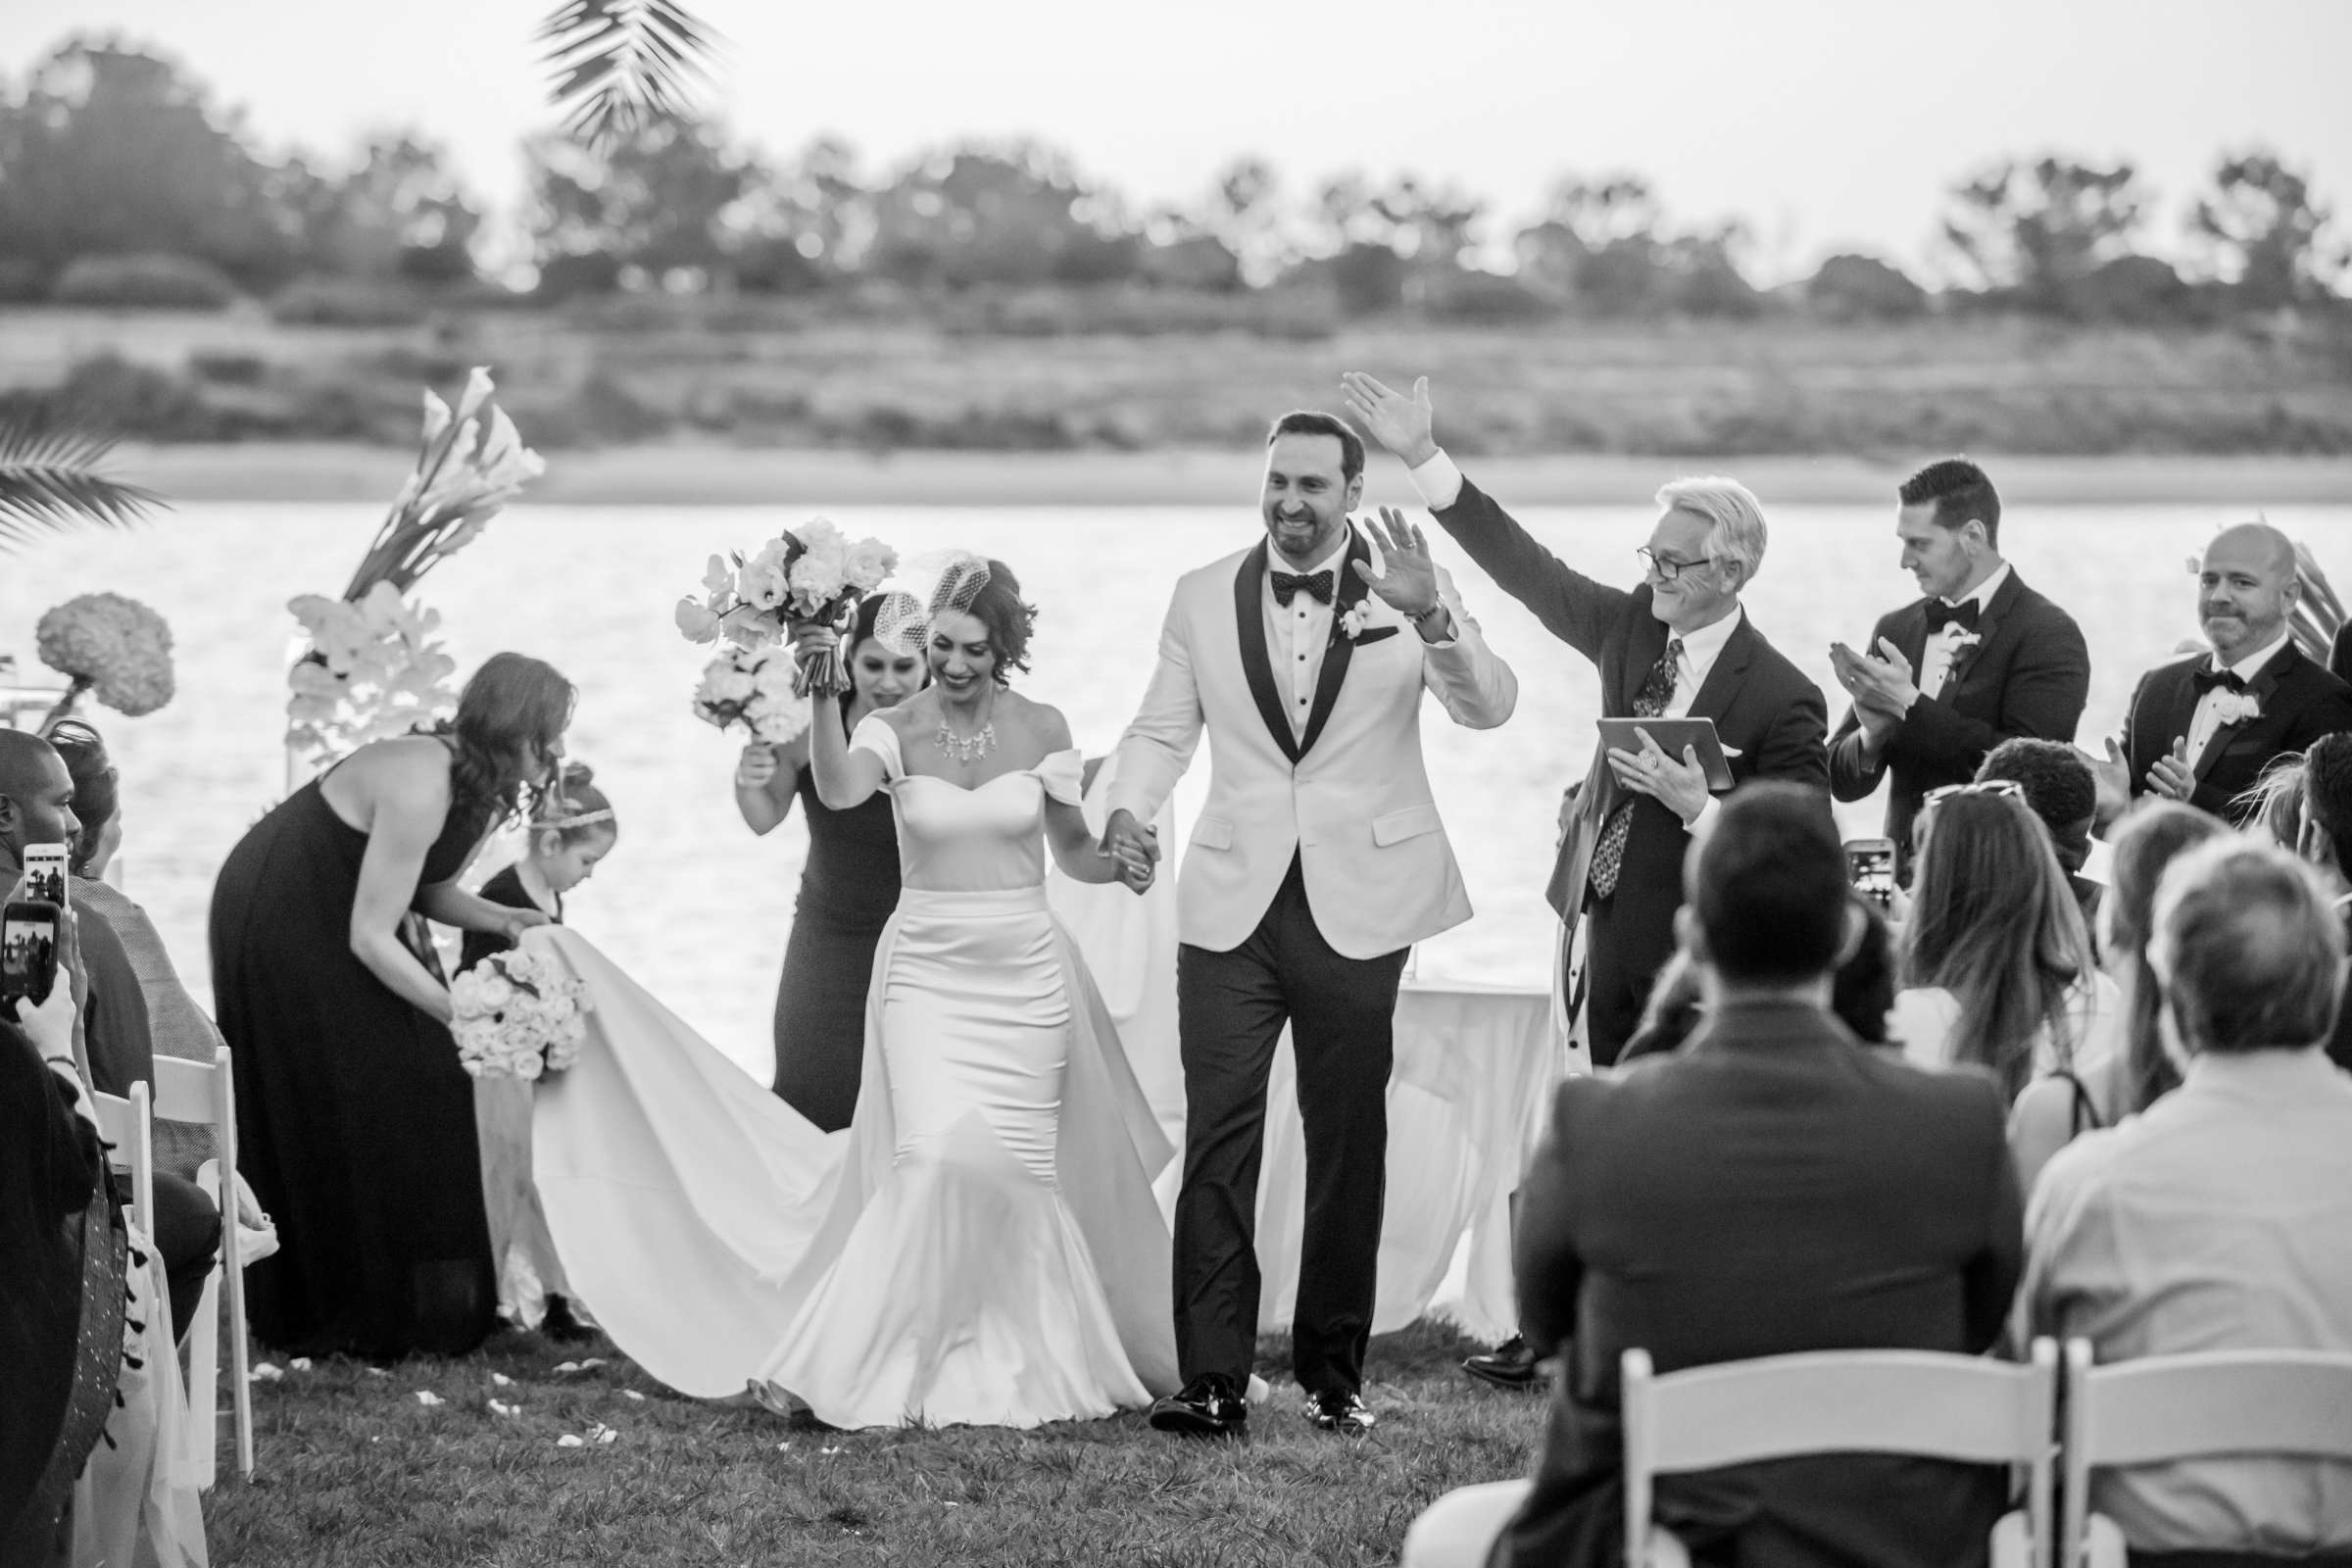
(2206, 679)
(1287, 583)
(1942, 614)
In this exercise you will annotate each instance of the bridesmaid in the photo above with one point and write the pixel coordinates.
(355, 1121)
(848, 888)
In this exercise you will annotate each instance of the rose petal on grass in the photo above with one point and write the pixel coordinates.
(632, 1394)
(500, 1380)
(427, 1396)
(497, 1408)
(267, 1372)
(570, 1441)
(301, 1364)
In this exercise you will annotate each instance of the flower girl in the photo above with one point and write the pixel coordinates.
(572, 830)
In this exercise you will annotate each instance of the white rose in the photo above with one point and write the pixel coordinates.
(870, 562)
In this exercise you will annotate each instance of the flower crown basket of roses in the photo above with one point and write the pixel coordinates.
(809, 576)
(519, 1014)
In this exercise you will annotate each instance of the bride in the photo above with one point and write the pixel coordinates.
(981, 1245)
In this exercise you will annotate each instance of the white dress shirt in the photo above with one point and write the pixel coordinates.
(2220, 1218)
(1439, 484)
(1943, 644)
(2207, 717)
(1297, 633)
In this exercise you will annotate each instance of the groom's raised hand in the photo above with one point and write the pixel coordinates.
(1407, 580)
(1406, 426)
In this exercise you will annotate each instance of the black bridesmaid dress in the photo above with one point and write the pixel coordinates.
(848, 888)
(355, 1123)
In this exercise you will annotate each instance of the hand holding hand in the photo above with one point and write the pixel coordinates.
(1134, 845)
(756, 769)
(2171, 776)
(1406, 426)
(814, 637)
(1680, 786)
(1409, 577)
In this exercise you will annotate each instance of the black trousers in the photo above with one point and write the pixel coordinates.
(1231, 1007)
(187, 1235)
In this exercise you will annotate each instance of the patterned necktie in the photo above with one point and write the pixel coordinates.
(1608, 855)
(1287, 585)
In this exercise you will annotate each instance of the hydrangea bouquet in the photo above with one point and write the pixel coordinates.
(519, 1014)
(809, 574)
(112, 647)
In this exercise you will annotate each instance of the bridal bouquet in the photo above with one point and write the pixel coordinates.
(809, 574)
(758, 688)
(112, 647)
(519, 1014)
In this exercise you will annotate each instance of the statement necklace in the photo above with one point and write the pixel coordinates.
(966, 749)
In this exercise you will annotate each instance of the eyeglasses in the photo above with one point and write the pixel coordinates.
(1999, 788)
(1666, 566)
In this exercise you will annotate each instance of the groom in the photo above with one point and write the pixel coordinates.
(1317, 861)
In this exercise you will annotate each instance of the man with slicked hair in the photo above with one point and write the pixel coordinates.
(2202, 729)
(1980, 658)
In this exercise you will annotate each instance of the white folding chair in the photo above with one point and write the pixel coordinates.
(128, 1128)
(1962, 1407)
(2168, 1407)
(204, 1092)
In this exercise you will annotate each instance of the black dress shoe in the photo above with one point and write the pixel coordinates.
(1209, 1406)
(1509, 1365)
(561, 1325)
(1339, 1410)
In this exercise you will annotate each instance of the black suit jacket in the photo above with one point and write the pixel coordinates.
(1776, 1186)
(2300, 703)
(1761, 704)
(2339, 654)
(2028, 674)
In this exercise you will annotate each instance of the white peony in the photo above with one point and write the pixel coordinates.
(870, 561)
(763, 581)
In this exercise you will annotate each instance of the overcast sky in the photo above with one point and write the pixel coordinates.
(1826, 124)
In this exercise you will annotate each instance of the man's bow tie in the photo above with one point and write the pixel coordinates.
(1287, 583)
(1942, 614)
(2207, 678)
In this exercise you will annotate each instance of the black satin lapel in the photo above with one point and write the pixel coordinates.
(1249, 625)
(1715, 693)
(1350, 593)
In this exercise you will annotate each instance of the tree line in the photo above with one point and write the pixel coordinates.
(122, 181)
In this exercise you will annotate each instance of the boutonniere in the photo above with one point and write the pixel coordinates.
(2237, 708)
(1355, 624)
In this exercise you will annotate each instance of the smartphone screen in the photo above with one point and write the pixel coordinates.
(46, 874)
(1870, 868)
(28, 952)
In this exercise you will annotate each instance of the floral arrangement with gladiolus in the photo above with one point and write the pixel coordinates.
(109, 647)
(374, 670)
(809, 576)
(370, 666)
(519, 1014)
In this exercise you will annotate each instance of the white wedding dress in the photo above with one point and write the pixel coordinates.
(979, 1246)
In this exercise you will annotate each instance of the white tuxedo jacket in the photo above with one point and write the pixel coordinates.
(1350, 798)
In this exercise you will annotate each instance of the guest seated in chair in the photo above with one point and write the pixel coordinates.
(1770, 1188)
(2220, 1218)
(36, 806)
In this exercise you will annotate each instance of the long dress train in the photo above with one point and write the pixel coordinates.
(980, 1246)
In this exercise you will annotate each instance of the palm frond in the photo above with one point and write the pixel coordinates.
(49, 481)
(619, 64)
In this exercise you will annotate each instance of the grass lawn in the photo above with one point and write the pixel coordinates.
(353, 1469)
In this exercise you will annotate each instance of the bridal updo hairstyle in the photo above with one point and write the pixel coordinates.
(509, 716)
(1010, 620)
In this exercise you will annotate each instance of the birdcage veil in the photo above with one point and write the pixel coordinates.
(943, 583)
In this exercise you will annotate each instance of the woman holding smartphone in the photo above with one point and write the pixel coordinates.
(849, 887)
(355, 1121)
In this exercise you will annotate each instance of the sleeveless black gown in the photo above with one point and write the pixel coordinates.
(848, 888)
(354, 1122)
